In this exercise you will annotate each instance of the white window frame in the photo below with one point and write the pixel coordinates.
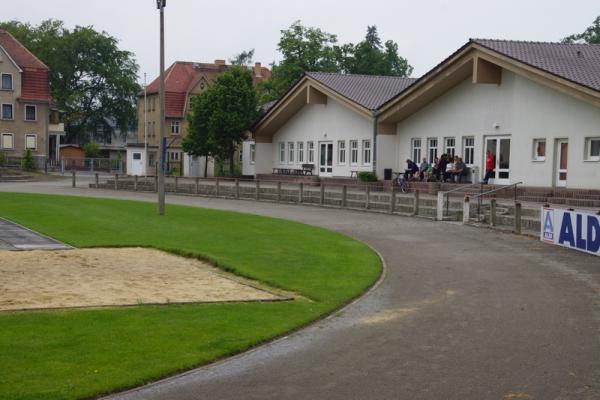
(447, 146)
(341, 152)
(12, 141)
(588, 151)
(175, 127)
(31, 135)
(12, 81)
(252, 153)
(34, 113)
(291, 152)
(416, 151)
(310, 147)
(366, 152)
(300, 152)
(431, 157)
(281, 152)
(469, 150)
(12, 108)
(535, 156)
(354, 152)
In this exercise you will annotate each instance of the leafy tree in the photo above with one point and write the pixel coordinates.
(27, 162)
(243, 59)
(590, 35)
(91, 150)
(221, 116)
(90, 77)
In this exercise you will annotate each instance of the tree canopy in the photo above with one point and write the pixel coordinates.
(590, 35)
(91, 79)
(221, 115)
(311, 49)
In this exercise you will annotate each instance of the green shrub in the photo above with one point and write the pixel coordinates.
(367, 176)
(28, 163)
(92, 150)
(2, 158)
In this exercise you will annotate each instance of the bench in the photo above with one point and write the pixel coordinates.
(307, 169)
(354, 174)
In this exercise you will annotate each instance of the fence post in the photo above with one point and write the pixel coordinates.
(322, 194)
(518, 213)
(367, 196)
(73, 182)
(197, 189)
(392, 200)
(466, 210)
(279, 191)
(416, 203)
(344, 196)
(92, 165)
(176, 183)
(97, 179)
(257, 190)
(62, 166)
(237, 189)
(301, 193)
(493, 212)
(156, 183)
(440, 206)
(116, 181)
(135, 183)
(217, 187)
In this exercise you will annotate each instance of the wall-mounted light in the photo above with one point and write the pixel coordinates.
(496, 125)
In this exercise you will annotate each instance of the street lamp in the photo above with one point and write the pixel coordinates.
(160, 4)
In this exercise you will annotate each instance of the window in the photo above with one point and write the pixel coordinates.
(175, 127)
(137, 156)
(281, 152)
(342, 152)
(450, 143)
(30, 113)
(174, 156)
(290, 152)
(300, 157)
(354, 152)
(311, 151)
(416, 150)
(433, 149)
(31, 141)
(7, 141)
(7, 111)
(366, 152)
(539, 149)
(7, 83)
(469, 150)
(252, 153)
(593, 149)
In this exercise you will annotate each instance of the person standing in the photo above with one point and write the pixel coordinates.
(490, 166)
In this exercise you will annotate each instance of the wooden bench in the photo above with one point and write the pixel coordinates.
(354, 174)
(307, 169)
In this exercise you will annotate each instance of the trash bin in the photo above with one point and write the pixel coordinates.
(387, 174)
(475, 174)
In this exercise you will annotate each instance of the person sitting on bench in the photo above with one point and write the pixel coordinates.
(460, 170)
(423, 169)
(411, 169)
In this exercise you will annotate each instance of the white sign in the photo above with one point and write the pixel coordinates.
(573, 229)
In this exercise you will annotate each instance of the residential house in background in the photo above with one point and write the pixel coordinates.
(183, 80)
(28, 121)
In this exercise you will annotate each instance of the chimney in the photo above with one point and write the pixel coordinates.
(220, 62)
(258, 70)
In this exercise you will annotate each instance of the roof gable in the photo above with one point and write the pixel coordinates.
(19, 53)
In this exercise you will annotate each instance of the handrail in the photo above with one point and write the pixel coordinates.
(447, 194)
(498, 190)
(462, 187)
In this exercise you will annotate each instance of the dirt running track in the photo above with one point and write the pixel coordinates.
(462, 313)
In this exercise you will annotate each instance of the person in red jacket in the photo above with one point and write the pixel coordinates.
(490, 166)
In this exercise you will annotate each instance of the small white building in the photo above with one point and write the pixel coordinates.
(534, 105)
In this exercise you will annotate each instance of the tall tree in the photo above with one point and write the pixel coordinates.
(244, 58)
(222, 115)
(590, 35)
(91, 79)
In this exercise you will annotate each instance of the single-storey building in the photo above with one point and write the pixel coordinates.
(534, 105)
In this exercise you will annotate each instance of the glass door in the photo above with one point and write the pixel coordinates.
(562, 161)
(325, 158)
(500, 148)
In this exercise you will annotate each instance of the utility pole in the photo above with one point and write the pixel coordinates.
(161, 131)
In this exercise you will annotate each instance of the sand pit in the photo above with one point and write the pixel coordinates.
(109, 277)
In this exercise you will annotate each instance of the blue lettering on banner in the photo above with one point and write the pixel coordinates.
(593, 234)
(581, 243)
(572, 229)
(566, 231)
(548, 232)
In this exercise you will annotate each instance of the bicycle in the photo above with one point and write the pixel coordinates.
(402, 184)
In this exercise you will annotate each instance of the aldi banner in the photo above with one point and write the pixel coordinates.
(573, 229)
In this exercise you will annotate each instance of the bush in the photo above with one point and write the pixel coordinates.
(2, 158)
(28, 163)
(92, 150)
(367, 176)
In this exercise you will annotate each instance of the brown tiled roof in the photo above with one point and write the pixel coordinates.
(578, 63)
(35, 84)
(369, 91)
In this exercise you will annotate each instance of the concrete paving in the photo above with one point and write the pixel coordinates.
(16, 237)
(462, 313)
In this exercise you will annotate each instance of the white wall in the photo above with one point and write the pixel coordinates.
(194, 166)
(331, 122)
(523, 110)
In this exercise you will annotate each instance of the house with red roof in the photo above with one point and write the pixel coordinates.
(27, 120)
(183, 80)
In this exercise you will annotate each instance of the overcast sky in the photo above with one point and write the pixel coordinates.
(427, 31)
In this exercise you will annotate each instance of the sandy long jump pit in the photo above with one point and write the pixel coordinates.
(113, 277)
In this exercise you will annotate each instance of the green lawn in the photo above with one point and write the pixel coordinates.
(82, 353)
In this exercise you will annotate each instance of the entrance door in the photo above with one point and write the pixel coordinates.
(137, 165)
(562, 158)
(325, 158)
(500, 148)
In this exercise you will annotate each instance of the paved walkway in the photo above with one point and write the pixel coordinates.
(463, 313)
(16, 237)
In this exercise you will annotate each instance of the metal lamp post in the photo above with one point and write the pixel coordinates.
(160, 4)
